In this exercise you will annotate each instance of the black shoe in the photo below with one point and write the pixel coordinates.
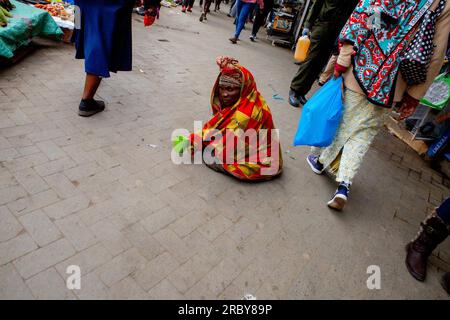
(89, 107)
(302, 100)
(296, 100)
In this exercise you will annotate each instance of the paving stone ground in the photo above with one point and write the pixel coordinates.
(103, 194)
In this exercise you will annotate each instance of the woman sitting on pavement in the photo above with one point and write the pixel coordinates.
(239, 111)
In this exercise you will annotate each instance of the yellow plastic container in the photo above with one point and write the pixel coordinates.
(302, 48)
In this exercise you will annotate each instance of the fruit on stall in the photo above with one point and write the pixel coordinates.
(56, 10)
(6, 4)
(4, 12)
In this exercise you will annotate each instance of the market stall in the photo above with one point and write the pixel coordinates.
(63, 13)
(427, 131)
(24, 23)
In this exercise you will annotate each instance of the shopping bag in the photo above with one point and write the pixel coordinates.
(321, 116)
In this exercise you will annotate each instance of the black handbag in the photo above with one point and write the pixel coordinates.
(417, 56)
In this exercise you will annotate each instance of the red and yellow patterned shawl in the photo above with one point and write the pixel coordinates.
(250, 112)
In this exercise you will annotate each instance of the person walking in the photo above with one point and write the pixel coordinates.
(206, 10)
(187, 6)
(261, 16)
(243, 10)
(217, 5)
(104, 42)
(369, 60)
(324, 22)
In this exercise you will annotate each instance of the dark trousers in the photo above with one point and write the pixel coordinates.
(444, 211)
(232, 2)
(188, 3)
(207, 6)
(261, 16)
(323, 37)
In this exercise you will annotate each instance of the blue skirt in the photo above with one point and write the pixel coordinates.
(104, 40)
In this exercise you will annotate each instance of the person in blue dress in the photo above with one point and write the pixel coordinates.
(104, 42)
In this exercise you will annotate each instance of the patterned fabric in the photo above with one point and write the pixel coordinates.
(360, 124)
(231, 77)
(417, 56)
(378, 56)
(260, 162)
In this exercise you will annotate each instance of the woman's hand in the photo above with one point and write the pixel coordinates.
(407, 106)
(339, 70)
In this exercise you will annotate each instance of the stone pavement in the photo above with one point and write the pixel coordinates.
(103, 194)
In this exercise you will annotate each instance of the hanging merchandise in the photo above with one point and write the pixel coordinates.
(438, 94)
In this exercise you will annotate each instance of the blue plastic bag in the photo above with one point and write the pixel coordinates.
(321, 116)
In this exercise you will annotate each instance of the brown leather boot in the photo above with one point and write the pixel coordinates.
(433, 231)
(446, 282)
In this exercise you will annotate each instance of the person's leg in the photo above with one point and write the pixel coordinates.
(252, 14)
(361, 122)
(205, 10)
(185, 5)
(352, 102)
(320, 50)
(208, 6)
(358, 144)
(191, 4)
(443, 211)
(236, 9)
(88, 105)
(90, 86)
(243, 15)
(217, 5)
(257, 23)
(433, 230)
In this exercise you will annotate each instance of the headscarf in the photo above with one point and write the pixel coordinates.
(249, 112)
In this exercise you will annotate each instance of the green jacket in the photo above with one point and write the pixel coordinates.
(334, 12)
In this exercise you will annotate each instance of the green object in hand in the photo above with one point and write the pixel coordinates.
(180, 143)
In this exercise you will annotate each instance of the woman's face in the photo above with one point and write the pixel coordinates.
(229, 95)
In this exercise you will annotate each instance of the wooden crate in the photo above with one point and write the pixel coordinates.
(407, 137)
